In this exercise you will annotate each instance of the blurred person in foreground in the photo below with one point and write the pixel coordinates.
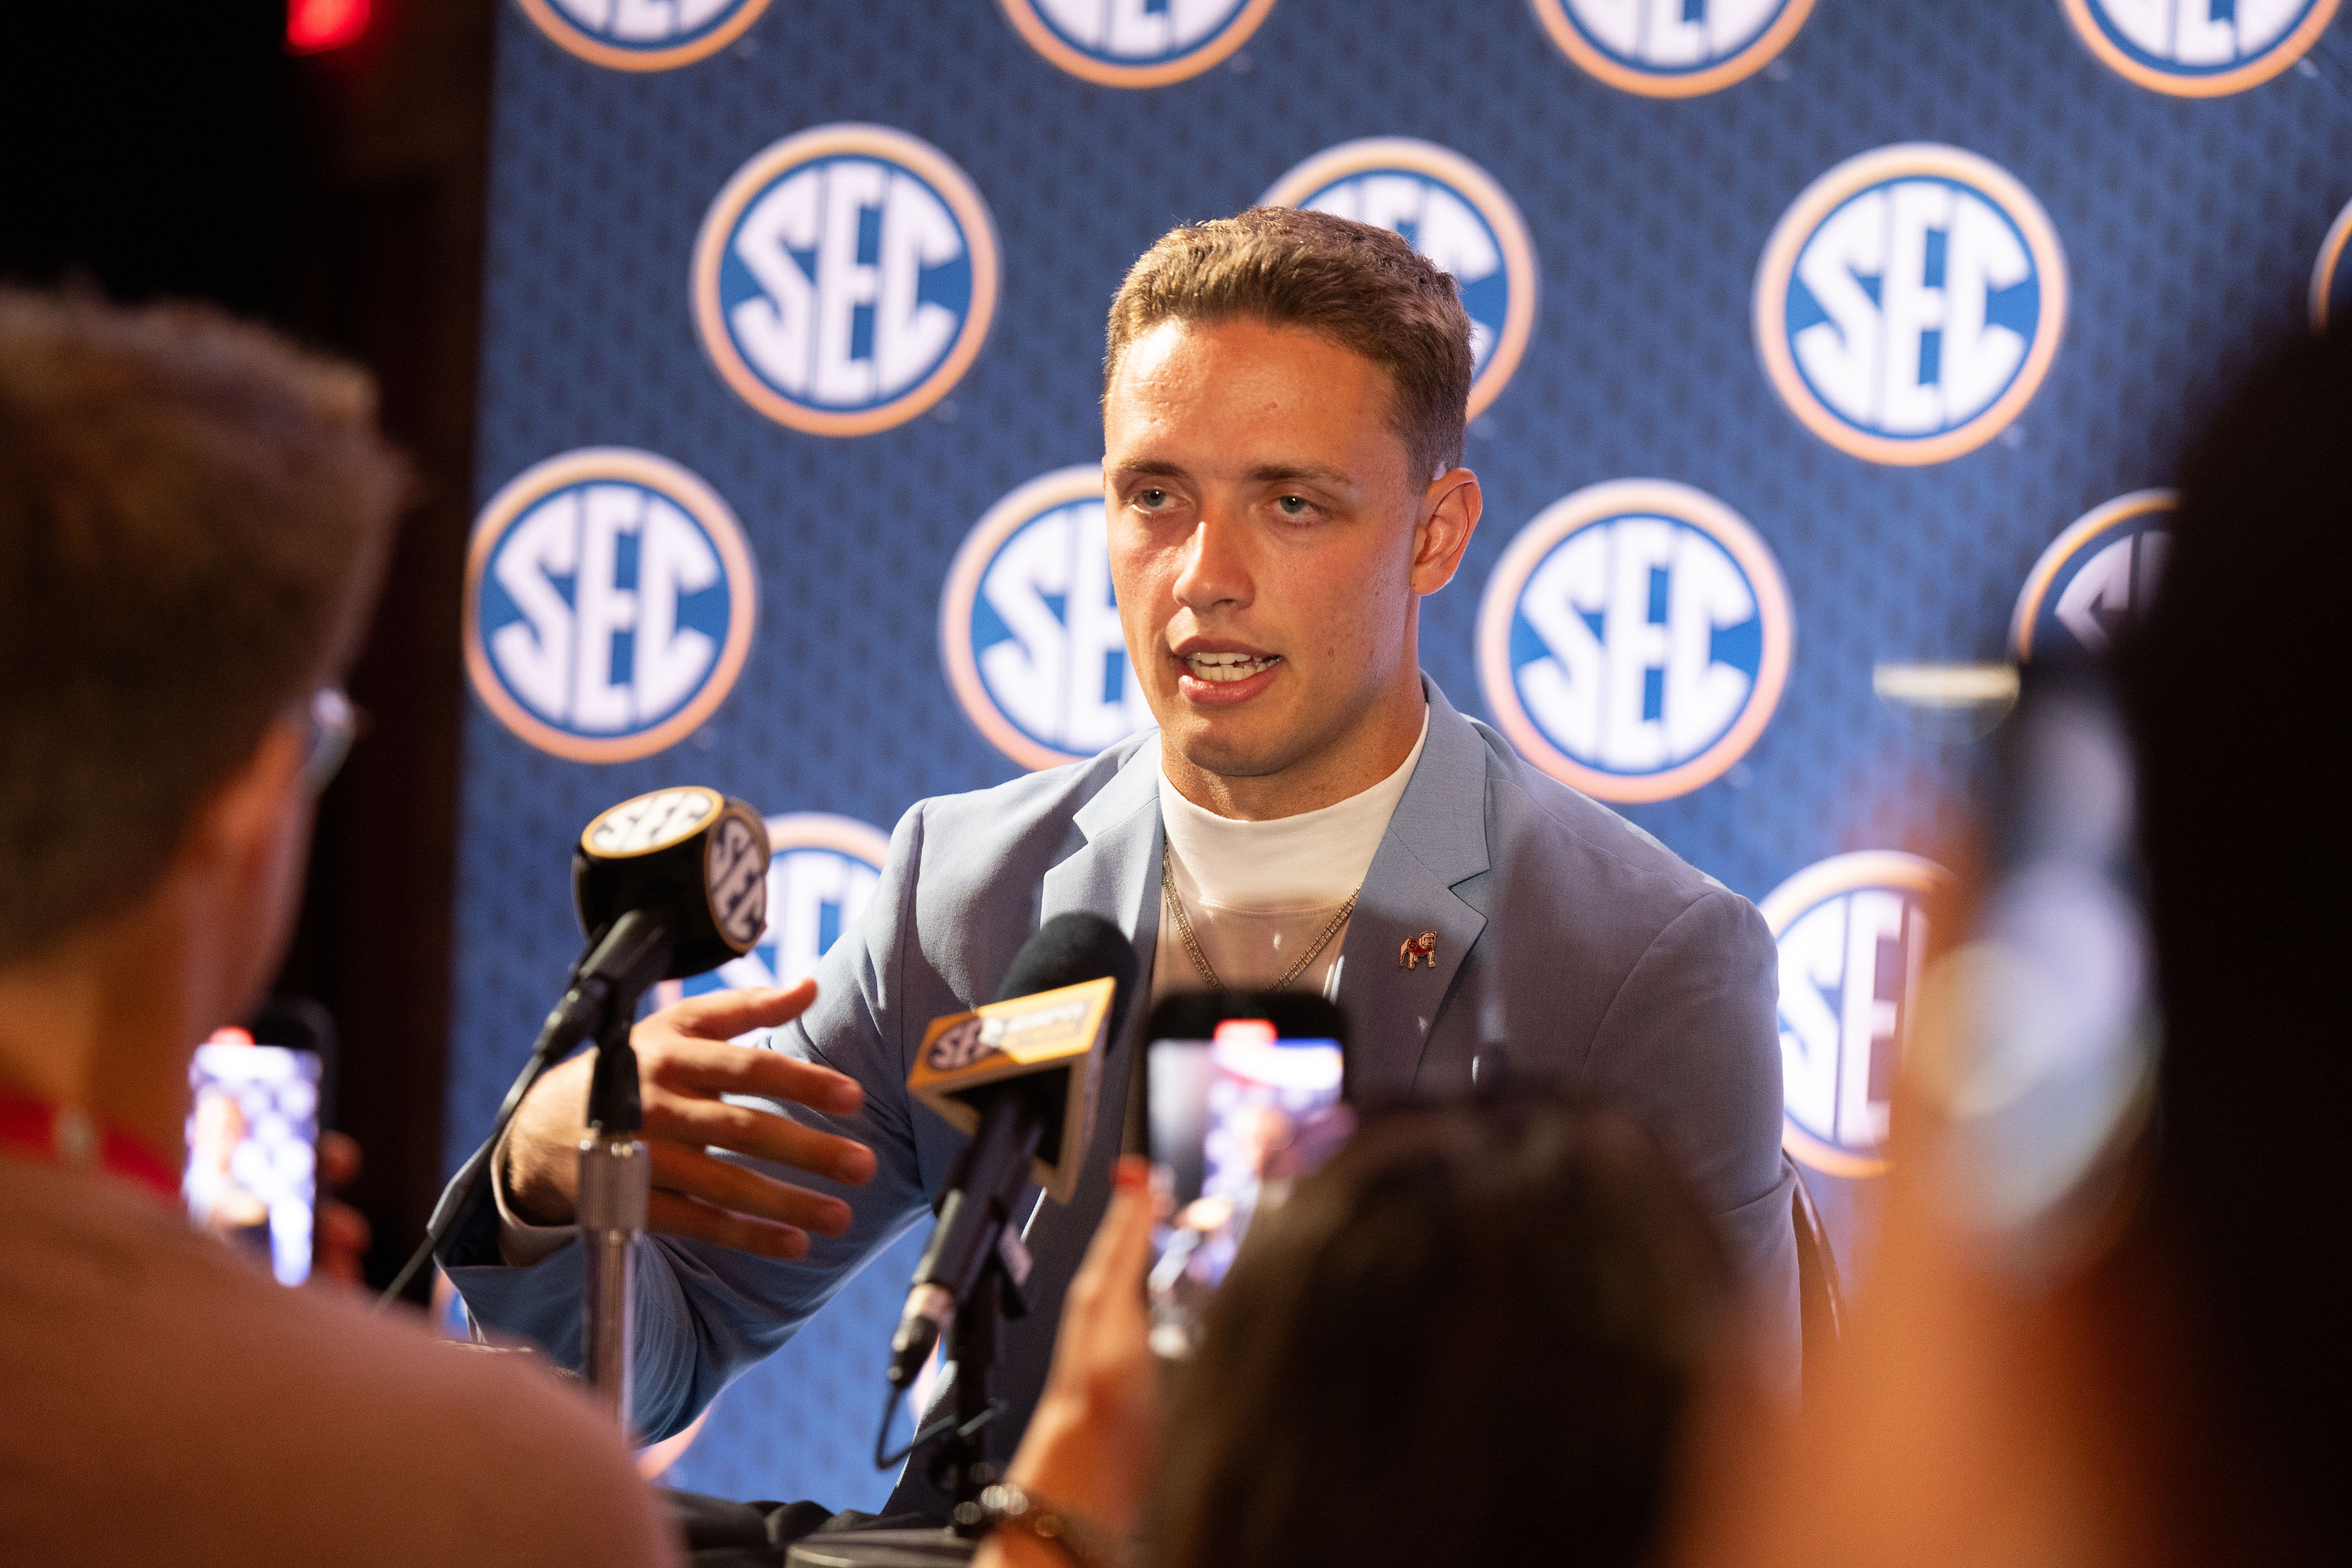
(193, 522)
(2160, 1375)
(1471, 1338)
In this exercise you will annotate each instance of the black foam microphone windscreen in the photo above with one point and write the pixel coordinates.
(1070, 948)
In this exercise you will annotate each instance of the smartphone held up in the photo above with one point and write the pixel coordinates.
(1244, 1094)
(252, 1175)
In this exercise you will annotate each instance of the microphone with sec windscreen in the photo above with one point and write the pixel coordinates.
(1021, 1075)
(684, 871)
(667, 885)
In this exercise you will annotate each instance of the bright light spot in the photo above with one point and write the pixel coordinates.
(312, 25)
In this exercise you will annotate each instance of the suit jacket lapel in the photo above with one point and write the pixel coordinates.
(1436, 840)
(1115, 873)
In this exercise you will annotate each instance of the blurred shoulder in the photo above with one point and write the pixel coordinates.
(499, 1456)
(259, 1423)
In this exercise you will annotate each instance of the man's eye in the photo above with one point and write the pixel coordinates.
(1294, 505)
(1151, 499)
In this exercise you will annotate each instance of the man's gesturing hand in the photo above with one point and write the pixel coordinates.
(685, 1064)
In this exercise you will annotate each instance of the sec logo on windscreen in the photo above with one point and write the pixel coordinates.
(1672, 49)
(1853, 933)
(1029, 630)
(845, 279)
(610, 600)
(1452, 212)
(823, 870)
(643, 34)
(2199, 48)
(1136, 42)
(1909, 303)
(1634, 639)
(2097, 578)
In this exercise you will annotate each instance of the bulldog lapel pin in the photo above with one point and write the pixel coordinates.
(1416, 948)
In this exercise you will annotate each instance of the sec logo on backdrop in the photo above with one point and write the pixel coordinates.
(1909, 303)
(2331, 275)
(1452, 212)
(2095, 578)
(1672, 49)
(609, 604)
(822, 873)
(1136, 42)
(1029, 631)
(1851, 932)
(643, 34)
(2199, 48)
(845, 279)
(1634, 638)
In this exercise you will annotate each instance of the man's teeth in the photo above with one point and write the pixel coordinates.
(1229, 665)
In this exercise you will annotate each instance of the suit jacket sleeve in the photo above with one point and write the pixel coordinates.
(1691, 1044)
(706, 1313)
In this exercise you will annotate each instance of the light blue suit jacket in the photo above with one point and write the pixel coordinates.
(1565, 934)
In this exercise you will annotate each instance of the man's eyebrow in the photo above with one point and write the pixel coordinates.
(1265, 473)
(1151, 468)
(1312, 473)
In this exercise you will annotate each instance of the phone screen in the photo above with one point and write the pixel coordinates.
(253, 1149)
(1234, 1120)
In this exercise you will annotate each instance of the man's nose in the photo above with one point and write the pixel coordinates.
(1216, 569)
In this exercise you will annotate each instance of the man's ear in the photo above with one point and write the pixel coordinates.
(241, 862)
(241, 820)
(1449, 515)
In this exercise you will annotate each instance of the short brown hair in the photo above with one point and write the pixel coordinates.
(1361, 287)
(193, 516)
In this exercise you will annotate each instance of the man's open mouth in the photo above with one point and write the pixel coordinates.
(1223, 667)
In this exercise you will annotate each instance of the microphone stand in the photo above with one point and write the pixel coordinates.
(961, 1467)
(615, 1182)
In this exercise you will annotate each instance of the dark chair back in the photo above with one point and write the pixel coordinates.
(1820, 1294)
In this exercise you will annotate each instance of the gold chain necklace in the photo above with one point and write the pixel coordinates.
(1192, 942)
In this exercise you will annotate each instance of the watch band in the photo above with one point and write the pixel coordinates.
(1007, 1505)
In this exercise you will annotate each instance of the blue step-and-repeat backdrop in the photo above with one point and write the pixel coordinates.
(1822, 345)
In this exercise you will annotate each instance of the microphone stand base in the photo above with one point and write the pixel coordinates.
(880, 1549)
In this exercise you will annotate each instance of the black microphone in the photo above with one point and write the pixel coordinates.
(1020, 1075)
(667, 885)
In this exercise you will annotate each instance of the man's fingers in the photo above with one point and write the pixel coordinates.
(1130, 1220)
(721, 1184)
(692, 1065)
(762, 1135)
(1121, 1252)
(673, 1214)
(339, 1241)
(339, 1159)
(723, 1015)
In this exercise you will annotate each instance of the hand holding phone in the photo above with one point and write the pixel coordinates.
(1243, 1093)
(253, 1136)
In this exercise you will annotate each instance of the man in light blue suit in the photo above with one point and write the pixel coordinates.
(1311, 811)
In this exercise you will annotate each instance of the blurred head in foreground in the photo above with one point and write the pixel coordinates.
(2241, 701)
(1470, 1338)
(193, 514)
(2168, 1385)
(193, 518)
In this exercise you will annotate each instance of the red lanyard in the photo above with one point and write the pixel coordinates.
(67, 1135)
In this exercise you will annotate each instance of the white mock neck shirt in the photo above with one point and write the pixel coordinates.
(1259, 893)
